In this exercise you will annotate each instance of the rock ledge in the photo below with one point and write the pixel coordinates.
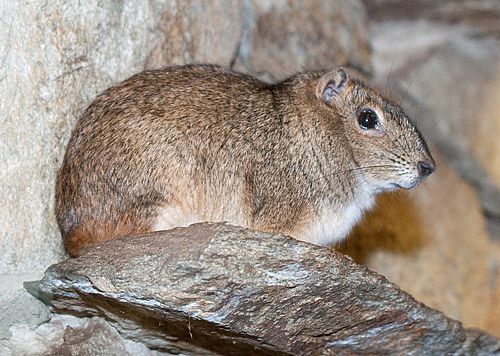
(216, 288)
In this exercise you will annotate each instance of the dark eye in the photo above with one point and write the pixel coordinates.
(368, 119)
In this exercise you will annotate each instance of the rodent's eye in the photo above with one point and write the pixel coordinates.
(368, 119)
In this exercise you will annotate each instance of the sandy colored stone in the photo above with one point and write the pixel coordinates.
(483, 123)
(284, 37)
(481, 15)
(197, 32)
(69, 335)
(433, 243)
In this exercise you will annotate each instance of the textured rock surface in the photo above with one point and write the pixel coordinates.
(283, 37)
(233, 290)
(481, 15)
(69, 335)
(197, 32)
(439, 253)
(17, 307)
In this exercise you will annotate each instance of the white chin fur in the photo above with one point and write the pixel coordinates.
(333, 224)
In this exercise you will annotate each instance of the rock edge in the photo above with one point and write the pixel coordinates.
(217, 288)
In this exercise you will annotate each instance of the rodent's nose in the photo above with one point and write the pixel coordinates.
(425, 168)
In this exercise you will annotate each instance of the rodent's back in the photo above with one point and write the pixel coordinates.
(141, 142)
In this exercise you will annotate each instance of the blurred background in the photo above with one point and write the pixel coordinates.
(439, 59)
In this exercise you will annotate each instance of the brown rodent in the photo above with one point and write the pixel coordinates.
(171, 147)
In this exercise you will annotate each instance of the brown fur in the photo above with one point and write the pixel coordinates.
(219, 145)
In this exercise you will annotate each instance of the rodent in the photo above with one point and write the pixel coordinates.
(165, 148)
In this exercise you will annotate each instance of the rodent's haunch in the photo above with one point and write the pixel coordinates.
(171, 147)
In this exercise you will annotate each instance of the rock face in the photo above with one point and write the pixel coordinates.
(483, 15)
(197, 32)
(236, 291)
(69, 335)
(283, 37)
(17, 307)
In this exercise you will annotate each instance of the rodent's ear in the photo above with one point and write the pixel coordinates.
(331, 85)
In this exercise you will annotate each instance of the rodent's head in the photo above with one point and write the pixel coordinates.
(387, 148)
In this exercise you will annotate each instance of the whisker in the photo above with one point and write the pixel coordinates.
(354, 169)
(387, 154)
(407, 90)
(390, 72)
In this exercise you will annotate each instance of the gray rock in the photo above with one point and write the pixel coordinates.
(284, 37)
(69, 335)
(237, 291)
(17, 307)
(482, 15)
(197, 32)
(22, 310)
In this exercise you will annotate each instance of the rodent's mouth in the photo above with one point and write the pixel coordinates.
(409, 185)
(388, 187)
(394, 186)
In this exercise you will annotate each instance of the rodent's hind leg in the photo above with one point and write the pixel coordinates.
(91, 233)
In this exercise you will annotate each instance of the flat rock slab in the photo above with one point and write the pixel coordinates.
(216, 288)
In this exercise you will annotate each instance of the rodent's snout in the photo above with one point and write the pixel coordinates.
(425, 168)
